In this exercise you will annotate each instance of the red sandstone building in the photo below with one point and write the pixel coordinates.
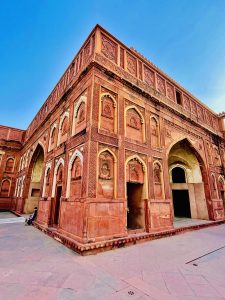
(117, 150)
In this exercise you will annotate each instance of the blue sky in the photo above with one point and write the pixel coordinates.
(39, 38)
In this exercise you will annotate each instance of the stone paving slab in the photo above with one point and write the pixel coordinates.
(34, 266)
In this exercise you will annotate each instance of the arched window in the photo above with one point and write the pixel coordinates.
(9, 165)
(5, 187)
(155, 137)
(178, 175)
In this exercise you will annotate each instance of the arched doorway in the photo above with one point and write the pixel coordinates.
(187, 182)
(181, 201)
(34, 179)
(135, 189)
(57, 189)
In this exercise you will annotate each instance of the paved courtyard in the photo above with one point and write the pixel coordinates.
(34, 266)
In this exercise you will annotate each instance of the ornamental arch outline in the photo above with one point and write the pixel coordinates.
(106, 149)
(144, 167)
(58, 163)
(75, 154)
(129, 107)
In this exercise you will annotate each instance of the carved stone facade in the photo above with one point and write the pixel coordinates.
(112, 150)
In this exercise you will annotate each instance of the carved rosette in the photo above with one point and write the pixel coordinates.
(149, 76)
(161, 85)
(170, 91)
(109, 48)
(131, 64)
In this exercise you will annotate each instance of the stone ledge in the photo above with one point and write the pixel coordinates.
(96, 247)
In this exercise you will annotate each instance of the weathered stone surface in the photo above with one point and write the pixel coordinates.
(98, 158)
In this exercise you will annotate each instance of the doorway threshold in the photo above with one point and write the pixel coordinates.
(188, 222)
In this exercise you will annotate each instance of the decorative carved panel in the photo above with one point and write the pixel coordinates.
(170, 91)
(122, 57)
(161, 85)
(134, 128)
(109, 48)
(131, 64)
(149, 76)
(193, 108)
(87, 51)
(140, 70)
(108, 114)
(155, 137)
(186, 103)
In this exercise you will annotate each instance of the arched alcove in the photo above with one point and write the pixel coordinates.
(34, 179)
(187, 181)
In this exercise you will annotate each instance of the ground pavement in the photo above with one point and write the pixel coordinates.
(34, 266)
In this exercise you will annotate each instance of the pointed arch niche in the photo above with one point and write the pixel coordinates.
(52, 137)
(155, 132)
(214, 186)
(74, 178)
(63, 127)
(46, 183)
(5, 187)
(221, 187)
(134, 124)
(9, 165)
(106, 174)
(158, 180)
(108, 113)
(79, 115)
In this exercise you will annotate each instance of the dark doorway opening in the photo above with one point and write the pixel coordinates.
(181, 203)
(135, 210)
(178, 175)
(57, 204)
